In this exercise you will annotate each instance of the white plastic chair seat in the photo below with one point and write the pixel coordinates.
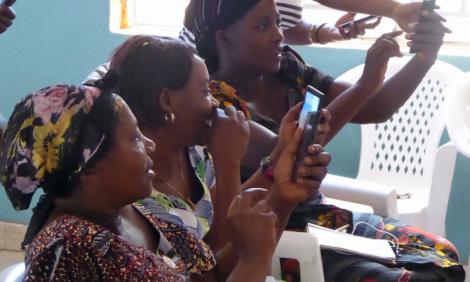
(408, 209)
(360, 195)
(13, 273)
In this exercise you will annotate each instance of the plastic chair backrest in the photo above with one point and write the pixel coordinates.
(401, 151)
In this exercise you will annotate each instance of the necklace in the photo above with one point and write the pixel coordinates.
(187, 199)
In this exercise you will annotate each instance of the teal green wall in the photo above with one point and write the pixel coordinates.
(62, 41)
(50, 42)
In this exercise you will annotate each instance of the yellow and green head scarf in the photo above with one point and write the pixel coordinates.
(44, 139)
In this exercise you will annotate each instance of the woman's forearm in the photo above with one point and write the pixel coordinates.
(228, 186)
(383, 8)
(394, 93)
(346, 105)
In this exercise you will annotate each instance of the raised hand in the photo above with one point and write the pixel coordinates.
(7, 15)
(289, 191)
(354, 30)
(406, 14)
(427, 35)
(253, 225)
(384, 48)
(229, 135)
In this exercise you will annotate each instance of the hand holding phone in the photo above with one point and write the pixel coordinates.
(309, 118)
(350, 28)
(7, 15)
(349, 24)
(428, 5)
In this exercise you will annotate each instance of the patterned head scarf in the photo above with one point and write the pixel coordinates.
(204, 17)
(44, 142)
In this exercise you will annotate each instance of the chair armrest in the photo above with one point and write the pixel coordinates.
(304, 248)
(382, 198)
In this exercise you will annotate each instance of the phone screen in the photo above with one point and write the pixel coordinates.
(311, 104)
(308, 120)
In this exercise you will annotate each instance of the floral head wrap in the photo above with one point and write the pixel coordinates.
(44, 140)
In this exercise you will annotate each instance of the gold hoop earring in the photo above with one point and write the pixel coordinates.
(169, 117)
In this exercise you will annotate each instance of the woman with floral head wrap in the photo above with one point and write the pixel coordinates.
(66, 139)
(82, 145)
(241, 44)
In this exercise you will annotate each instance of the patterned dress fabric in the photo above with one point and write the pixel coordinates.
(72, 249)
(179, 243)
(173, 217)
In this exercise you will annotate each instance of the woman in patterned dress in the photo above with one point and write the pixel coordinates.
(82, 145)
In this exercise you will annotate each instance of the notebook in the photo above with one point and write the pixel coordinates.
(378, 249)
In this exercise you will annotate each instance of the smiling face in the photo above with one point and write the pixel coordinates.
(160, 77)
(192, 105)
(126, 169)
(253, 43)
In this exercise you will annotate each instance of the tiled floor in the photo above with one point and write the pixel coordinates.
(8, 258)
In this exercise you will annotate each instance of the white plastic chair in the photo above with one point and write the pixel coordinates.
(304, 248)
(402, 156)
(13, 273)
(457, 108)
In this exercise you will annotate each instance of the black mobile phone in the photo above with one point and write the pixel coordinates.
(348, 25)
(308, 120)
(428, 5)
